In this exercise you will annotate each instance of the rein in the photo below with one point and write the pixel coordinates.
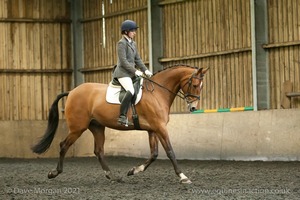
(181, 94)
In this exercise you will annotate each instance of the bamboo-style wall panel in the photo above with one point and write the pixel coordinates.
(215, 34)
(35, 55)
(283, 48)
(101, 27)
(35, 61)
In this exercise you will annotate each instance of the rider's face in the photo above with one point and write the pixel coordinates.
(131, 34)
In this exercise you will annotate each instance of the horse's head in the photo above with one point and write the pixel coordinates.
(192, 87)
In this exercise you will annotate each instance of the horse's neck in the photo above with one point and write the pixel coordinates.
(170, 79)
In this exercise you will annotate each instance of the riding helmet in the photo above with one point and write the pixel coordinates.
(128, 25)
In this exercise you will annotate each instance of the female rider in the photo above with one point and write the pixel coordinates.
(128, 60)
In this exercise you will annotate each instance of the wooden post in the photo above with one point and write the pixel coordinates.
(156, 35)
(260, 57)
(285, 100)
(77, 32)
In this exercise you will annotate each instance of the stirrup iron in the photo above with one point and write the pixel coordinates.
(125, 123)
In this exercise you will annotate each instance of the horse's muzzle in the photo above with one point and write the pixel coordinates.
(192, 102)
(192, 107)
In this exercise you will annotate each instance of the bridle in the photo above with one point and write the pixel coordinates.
(189, 82)
(181, 94)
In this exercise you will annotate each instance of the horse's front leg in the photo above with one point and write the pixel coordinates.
(153, 142)
(165, 141)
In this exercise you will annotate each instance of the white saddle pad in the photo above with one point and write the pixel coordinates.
(113, 92)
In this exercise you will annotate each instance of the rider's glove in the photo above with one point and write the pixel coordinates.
(138, 73)
(148, 73)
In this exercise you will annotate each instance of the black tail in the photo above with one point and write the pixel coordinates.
(46, 140)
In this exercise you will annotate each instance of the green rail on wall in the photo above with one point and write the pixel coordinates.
(247, 108)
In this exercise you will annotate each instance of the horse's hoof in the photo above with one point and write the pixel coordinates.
(185, 181)
(108, 177)
(51, 175)
(131, 172)
(136, 170)
(54, 173)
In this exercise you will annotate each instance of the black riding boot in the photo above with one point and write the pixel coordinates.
(126, 101)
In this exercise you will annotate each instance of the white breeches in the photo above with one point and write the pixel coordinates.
(126, 82)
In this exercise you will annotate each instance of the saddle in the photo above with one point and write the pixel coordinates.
(136, 85)
(115, 93)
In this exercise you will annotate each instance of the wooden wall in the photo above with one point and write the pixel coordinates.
(213, 34)
(283, 48)
(36, 61)
(35, 56)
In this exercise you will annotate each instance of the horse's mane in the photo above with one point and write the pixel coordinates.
(174, 66)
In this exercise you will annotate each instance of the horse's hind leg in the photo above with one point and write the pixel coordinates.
(99, 137)
(153, 142)
(64, 146)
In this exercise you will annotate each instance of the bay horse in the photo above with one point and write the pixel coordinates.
(86, 108)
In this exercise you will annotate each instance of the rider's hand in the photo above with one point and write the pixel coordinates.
(138, 73)
(148, 73)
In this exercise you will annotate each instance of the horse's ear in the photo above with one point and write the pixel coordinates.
(202, 71)
(199, 70)
(205, 70)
